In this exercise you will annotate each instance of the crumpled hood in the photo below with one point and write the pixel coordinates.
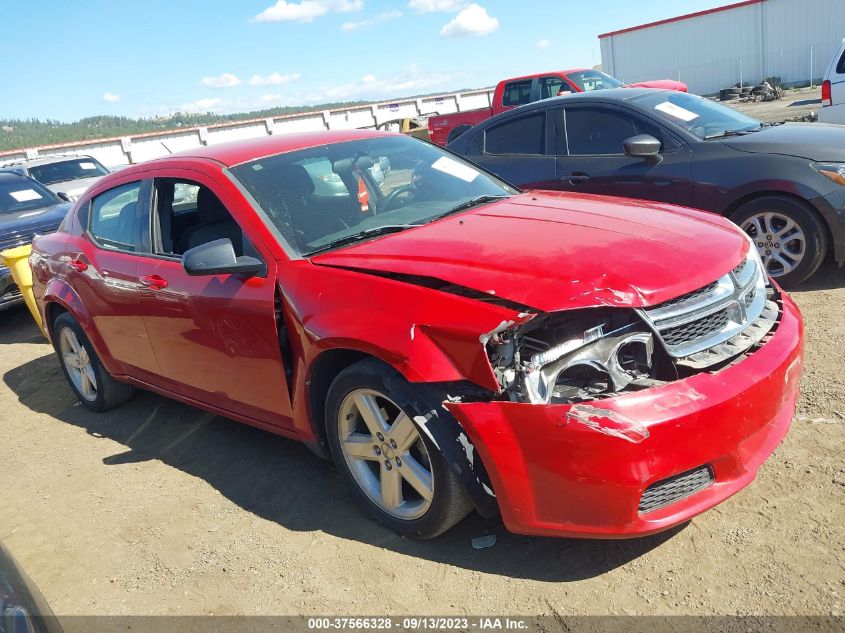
(813, 141)
(553, 251)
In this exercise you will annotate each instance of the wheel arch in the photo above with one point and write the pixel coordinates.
(441, 426)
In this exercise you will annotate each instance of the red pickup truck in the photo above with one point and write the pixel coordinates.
(512, 93)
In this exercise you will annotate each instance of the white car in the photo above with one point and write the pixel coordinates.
(833, 90)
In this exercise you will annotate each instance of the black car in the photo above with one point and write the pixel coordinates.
(22, 607)
(784, 184)
(27, 208)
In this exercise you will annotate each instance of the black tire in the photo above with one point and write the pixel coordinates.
(730, 97)
(733, 91)
(450, 502)
(109, 392)
(456, 132)
(807, 220)
(758, 90)
(746, 90)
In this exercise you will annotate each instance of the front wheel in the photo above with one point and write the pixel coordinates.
(791, 238)
(393, 469)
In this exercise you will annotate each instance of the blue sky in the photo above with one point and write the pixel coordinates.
(67, 60)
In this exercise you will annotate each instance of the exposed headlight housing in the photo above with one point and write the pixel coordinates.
(573, 356)
(831, 171)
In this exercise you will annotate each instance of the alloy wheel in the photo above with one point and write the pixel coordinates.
(385, 454)
(78, 364)
(780, 241)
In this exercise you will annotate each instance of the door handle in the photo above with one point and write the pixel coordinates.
(153, 282)
(578, 177)
(78, 265)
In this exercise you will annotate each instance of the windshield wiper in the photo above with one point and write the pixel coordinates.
(361, 235)
(729, 133)
(469, 204)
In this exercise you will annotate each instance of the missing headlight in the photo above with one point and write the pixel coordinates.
(573, 357)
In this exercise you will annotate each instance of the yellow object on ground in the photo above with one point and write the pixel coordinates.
(17, 261)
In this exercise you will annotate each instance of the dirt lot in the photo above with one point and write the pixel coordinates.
(157, 508)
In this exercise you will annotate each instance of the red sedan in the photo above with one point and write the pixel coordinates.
(576, 363)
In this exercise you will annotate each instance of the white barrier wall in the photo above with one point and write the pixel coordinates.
(127, 150)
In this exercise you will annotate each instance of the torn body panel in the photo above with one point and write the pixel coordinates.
(581, 469)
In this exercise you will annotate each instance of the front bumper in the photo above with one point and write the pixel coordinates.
(580, 470)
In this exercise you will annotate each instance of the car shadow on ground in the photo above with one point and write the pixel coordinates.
(17, 326)
(282, 481)
(828, 277)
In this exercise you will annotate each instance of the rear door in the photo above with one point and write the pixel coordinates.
(591, 159)
(103, 269)
(517, 150)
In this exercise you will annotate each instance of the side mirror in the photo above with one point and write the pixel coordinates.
(218, 258)
(642, 146)
(63, 196)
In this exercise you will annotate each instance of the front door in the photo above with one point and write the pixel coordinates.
(214, 336)
(591, 157)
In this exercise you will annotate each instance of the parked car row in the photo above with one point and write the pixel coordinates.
(66, 176)
(518, 91)
(783, 184)
(582, 365)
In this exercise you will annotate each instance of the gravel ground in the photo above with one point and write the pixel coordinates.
(157, 508)
(795, 103)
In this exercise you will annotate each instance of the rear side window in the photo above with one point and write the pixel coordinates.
(840, 67)
(597, 131)
(517, 93)
(521, 135)
(118, 221)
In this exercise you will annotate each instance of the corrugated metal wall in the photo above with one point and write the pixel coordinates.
(720, 49)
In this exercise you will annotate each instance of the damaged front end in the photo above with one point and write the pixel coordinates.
(589, 354)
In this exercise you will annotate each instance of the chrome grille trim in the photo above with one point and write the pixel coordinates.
(708, 325)
(667, 491)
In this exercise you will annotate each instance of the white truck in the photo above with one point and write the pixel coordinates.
(833, 90)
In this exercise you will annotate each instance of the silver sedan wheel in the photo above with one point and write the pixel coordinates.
(779, 240)
(385, 454)
(78, 364)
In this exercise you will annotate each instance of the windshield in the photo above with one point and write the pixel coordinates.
(588, 80)
(74, 169)
(700, 116)
(23, 194)
(358, 189)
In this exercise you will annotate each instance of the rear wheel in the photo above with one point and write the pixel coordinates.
(790, 237)
(393, 469)
(90, 381)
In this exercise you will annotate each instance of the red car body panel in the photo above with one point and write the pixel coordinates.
(440, 125)
(213, 342)
(500, 249)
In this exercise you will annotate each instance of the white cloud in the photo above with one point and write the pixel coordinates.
(201, 105)
(544, 43)
(430, 6)
(474, 20)
(306, 10)
(411, 81)
(368, 79)
(226, 80)
(110, 97)
(381, 17)
(273, 79)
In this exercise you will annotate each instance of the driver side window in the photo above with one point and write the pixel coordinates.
(189, 214)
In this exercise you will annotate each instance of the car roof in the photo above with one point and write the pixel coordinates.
(237, 152)
(49, 160)
(13, 175)
(609, 94)
(551, 72)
